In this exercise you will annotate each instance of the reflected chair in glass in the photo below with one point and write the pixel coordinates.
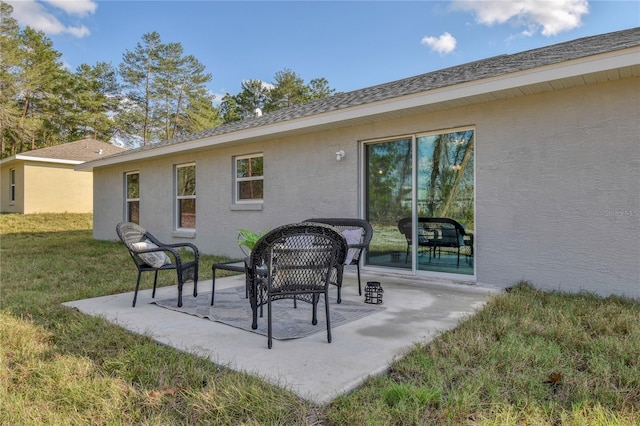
(435, 233)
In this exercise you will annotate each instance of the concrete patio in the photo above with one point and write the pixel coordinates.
(417, 310)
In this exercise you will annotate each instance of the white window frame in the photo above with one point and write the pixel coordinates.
(12, 185)
(237, 180)
(128, 200)
(178, 197)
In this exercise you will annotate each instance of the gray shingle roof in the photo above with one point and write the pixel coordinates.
(469, 72)
(81, 150)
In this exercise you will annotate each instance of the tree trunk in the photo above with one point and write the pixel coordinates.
(463, 164)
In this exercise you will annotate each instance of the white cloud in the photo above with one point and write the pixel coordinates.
(35, 15)
(217, 97)
(552, 16)
(80, 8)
(444, 44)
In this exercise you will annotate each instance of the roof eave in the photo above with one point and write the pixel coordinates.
(47, 160)
(23, 157)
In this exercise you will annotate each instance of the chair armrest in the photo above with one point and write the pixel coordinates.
(357, 246)
(180, 245)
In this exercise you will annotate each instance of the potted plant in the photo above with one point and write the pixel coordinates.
(248, 238)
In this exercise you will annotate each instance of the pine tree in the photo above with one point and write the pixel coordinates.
(9, 76)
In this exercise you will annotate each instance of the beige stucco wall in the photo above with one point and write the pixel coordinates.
(6, 205)
(47, 188)
(557, 186)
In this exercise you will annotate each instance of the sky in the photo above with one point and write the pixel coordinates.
(352, 44)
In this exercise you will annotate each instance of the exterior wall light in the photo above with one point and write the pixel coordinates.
(340, 155)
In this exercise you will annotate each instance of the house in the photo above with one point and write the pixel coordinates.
(536, 154)
(45, 181)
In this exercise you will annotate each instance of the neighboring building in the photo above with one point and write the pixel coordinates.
(45, 181)
(536, 153)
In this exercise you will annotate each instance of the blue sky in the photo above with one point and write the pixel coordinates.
(353, 44)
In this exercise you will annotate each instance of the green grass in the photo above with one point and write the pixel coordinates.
(527, 358)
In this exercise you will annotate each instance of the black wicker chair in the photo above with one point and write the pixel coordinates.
(150, 255)
(358, 233)
(435, 233)
(294, 262)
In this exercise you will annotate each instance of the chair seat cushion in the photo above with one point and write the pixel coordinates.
(155, 259)
(352, 236)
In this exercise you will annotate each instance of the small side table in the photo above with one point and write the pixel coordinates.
(234, 265)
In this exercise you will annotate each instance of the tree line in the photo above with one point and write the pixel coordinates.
(156, 93)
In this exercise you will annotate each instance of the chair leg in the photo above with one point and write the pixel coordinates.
(340, 274)
(135, 294)
(180, 283)
(326, 308)
(269, 338)
(314, 315)
(359, 284)
(155, 282)
(254, 309)
(213, 287)
(195, 281)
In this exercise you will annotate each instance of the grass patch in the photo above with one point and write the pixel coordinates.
(528, 357)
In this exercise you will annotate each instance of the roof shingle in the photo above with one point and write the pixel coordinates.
(81, 150)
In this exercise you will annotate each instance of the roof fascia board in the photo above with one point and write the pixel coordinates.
(7, 160)
(47, 160)
(573, 68)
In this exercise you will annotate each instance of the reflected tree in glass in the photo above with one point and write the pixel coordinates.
(445, 176)
(389, 181)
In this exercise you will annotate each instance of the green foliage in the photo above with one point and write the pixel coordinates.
(248, 238)
(156, 93)
(98, 89)
(288, 89)
(42, 104)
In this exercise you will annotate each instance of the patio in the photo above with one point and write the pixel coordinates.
(417, 310)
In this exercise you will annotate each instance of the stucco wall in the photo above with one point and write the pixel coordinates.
(557, 186)
(305, 181)
(47, 188)
(56, 188)
(558, 190)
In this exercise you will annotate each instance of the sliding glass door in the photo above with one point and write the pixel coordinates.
(419, 198)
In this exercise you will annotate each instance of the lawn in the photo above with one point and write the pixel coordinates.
(527, 358)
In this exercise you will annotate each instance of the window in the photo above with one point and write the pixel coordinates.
(132, 203)
(186, 196)
(420, 178)
(12, 184)
(249, 179)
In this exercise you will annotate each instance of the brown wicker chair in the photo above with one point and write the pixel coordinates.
(151, 255)
(363, 233)
(294, 262)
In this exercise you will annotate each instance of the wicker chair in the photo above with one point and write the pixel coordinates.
(435, 233)
(294, 262)
(150, 255)
(358, 233)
